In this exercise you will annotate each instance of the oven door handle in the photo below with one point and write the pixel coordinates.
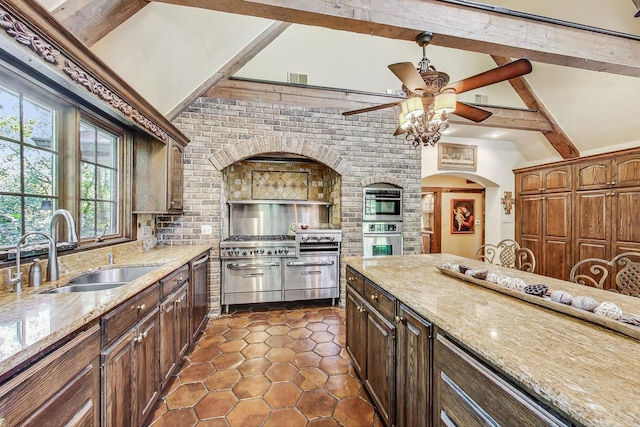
(309, 264)
(252, 266)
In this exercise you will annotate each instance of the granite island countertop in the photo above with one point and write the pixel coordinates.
(586, 372)
(32, 321)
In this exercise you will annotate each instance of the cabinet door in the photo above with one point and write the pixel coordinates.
(556, 237)
(146, 376)
(592, 224)
(117, 381)
(593, 175)
(175, 177)
(182, 321)
(356, 322)
(556, 179)
(626, 220)
(529, 182)
(380, 377)
(529, 226)
(199, 295)
(168, 338)
(627, 171)
(413, 392)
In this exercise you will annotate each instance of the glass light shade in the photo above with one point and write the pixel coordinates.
(402, 119)
(445, 103)
(412, 107)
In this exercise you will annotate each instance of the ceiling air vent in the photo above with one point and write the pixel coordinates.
(299, 79)
(482, 99)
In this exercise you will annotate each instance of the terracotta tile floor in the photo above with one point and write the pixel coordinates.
(282, 366)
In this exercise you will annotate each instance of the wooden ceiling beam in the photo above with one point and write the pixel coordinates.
(273, 93)
(245, 55)
(453, 26)
(91, 20)
(556, 135)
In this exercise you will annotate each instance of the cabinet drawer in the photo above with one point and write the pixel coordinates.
(469, 393)
(174, 281)
(380, 300)
(60, 388)
(355, 280)
(122, 318)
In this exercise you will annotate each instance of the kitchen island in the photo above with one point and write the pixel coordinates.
(585, 373)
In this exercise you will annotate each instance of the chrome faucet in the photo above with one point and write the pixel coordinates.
(16, 279)
(72, 237)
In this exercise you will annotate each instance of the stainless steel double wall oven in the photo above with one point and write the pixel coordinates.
(279, 251)
(382, 220)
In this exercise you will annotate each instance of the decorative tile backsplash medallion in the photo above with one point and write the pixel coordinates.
(279, 185)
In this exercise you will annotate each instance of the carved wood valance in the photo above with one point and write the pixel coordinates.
(31, 26)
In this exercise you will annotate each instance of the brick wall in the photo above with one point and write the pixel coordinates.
(361, 148)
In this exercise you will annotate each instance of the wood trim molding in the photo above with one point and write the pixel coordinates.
(27, 24)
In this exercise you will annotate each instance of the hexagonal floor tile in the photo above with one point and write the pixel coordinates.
(281, 372)
(235, 334)
(289, 417)
(280, 354)
(181, 417)
(279, 341)
(302, 345)
(257, 337)
(248, 413)
(334, 365)
(252, 387)
(317, 326)
(228, 361)
(355, 412)
(278, 329)
(322, 336)
(216, 404)
(310, 379)
(255, 366)
(343, 386)
(204, 355)
(195, 373)
(220, 380)
(232, 345)
(327, 349)
(317, 403)
(258, 326)
(282, 395)
(255, 350)
(186, 396)
(307, 359)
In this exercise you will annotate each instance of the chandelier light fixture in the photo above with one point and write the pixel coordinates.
(424, 124)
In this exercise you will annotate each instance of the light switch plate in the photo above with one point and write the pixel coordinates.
(207, 229)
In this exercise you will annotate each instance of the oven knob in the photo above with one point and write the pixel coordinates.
(268, 252)
(261, 251)
(244, 253)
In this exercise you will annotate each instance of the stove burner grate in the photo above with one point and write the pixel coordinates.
(256, 238)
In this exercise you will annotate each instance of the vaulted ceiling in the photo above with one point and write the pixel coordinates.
(579, 99)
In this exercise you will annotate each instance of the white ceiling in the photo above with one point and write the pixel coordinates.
(166, 52)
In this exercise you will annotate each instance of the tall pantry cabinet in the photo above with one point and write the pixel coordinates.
(583, 208)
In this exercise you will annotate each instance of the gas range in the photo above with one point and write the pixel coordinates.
(257, 246)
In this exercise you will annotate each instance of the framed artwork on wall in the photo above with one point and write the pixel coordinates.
(462, 216)
(457, 156)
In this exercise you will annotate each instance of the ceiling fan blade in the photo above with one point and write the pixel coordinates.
(409, 76)
(470, 112)
(504, 72)
(374, 108)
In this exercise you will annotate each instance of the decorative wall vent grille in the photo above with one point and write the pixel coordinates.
(300, 79)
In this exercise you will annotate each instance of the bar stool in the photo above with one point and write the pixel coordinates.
(620, 274)
(507, 253)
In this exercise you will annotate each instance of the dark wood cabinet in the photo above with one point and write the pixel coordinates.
(174, 331)
(468, 393)
(413, 369)
(549, 180)
(130, 379)
(63, 388)
(370, 341)
(544, 227)
(199, 295)
(158, 175)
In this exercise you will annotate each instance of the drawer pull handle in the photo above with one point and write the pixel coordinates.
(374, 297)
(351, 279)
(399, 319)
(141, 307)
(3, 422)
(140, 337)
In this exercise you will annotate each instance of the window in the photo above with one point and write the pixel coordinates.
(55, 154)
(98, 181)
(29, 159)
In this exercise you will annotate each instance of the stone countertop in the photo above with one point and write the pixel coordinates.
(31, 321)
(587, 372)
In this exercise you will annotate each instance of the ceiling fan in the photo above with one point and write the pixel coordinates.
(427, 83)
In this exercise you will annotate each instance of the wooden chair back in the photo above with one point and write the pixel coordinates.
(620, 274)
(507, 253)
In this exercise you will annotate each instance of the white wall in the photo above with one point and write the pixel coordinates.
(496, 161)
